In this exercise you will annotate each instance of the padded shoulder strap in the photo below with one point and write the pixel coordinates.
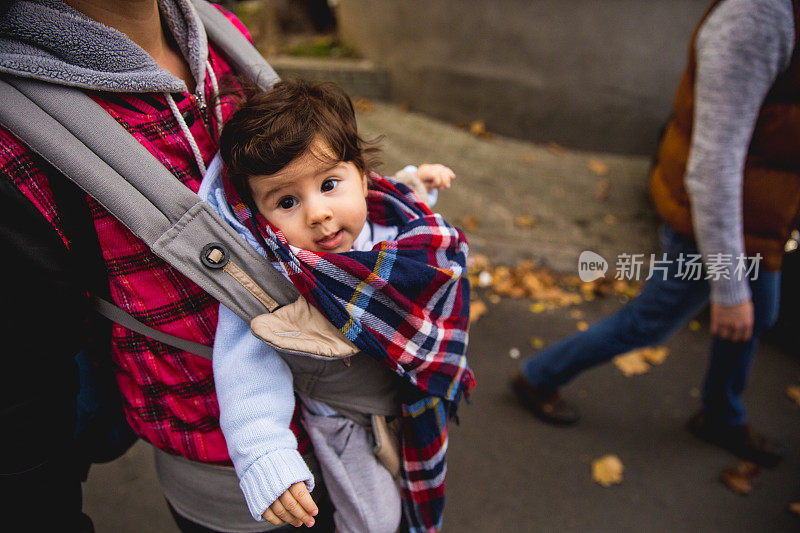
(75, 135)
(236, 47)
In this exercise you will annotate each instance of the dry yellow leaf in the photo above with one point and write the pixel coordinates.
(478, 262)
(529, 157)
(404, 107)
(471, 222)
(537, 307)
(476, 310)
(478, 129)
(576, 314)
(694, 325)
(582, 325)
(607, 470)
(555, 148)
(793, 392)
(495, 299)
(610, 219)
(598, 167)
(364, 105)
(739, 479)
(536, 343)
(655, 355)
(524, 221)
(632, 363)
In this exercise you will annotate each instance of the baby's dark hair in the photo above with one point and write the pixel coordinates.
(273, 128)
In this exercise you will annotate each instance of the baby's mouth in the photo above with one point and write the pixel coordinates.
(332, 241)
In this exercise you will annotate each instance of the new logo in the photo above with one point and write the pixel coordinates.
(591, 266)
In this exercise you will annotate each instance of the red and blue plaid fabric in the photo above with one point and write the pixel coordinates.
(169, 395)
(406, 304)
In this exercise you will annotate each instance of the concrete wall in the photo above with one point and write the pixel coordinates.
(594, 74)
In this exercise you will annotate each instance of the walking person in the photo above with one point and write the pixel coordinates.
(726, 185)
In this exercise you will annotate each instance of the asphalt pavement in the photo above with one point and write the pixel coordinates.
(507, 471)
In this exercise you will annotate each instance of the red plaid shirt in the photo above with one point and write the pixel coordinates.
(169, 394)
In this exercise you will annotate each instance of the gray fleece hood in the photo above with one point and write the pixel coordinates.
(48, 40)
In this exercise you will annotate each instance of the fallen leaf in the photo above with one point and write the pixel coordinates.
(555, 148)
(364, 105)
(794, 508)
(576, 314)
(694, 325)
(529, 157)
(514, 353)
(602, 190)
(607, 470)
(598, 167)
(471, 222)
(638, 361)
(610, 219)
(404, 107)
(582, 326)
(495, 299)
(478, 129)
(537, 307)
(536, 343)
(655, 355)
(477, 262)
(476, 310)
(524, 221)
(793, 392)
(739, 479)
(632, 363)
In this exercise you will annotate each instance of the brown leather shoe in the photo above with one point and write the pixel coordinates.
(739, 440)
(547, 405)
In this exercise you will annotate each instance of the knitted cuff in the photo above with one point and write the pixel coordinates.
(730, 291)
(271, 476)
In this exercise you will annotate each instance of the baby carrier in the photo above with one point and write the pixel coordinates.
(79, 139)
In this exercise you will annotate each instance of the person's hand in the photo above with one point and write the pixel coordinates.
(732, 322)
(295, 506)
(435, 176)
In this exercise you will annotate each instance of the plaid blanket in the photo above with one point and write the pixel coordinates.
(406, 304)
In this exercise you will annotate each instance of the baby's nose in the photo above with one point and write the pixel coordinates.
(318, 212)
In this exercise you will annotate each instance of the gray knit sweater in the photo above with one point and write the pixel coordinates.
(741, 48)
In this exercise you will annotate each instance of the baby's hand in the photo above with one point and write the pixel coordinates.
(295, 506)
(435, 176)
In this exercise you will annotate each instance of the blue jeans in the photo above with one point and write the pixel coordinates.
(662, 308)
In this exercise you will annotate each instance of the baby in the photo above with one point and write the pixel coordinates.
(293, 153)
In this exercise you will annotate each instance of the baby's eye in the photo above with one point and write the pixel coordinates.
(286, 202)
(329, 184)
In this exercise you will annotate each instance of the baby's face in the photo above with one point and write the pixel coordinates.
(316, 206)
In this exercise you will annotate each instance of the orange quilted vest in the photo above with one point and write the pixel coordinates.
(771, 194)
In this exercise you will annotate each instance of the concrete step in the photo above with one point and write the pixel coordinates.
(359, 77)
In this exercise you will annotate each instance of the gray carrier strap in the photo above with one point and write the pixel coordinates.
(236, 47)
(86, 144)
(115, 314)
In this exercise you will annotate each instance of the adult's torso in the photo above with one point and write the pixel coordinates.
(771, 187)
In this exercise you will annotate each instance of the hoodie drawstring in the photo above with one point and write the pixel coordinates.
(198, 157)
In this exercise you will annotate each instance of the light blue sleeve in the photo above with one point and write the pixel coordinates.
(256, 403)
